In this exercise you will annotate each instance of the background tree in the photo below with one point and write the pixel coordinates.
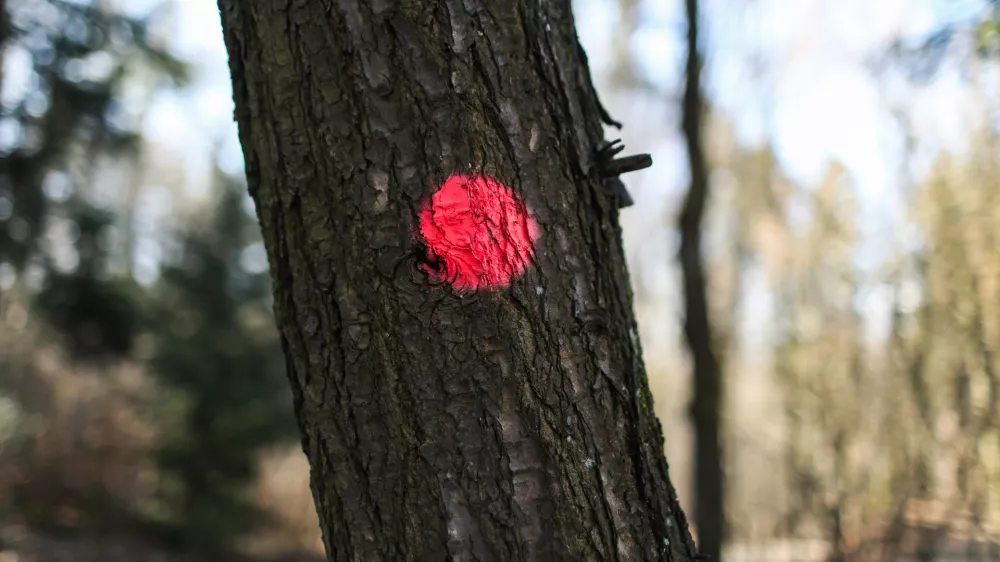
(67, 120)
(67, 205)
(216, 353)
(706, 405)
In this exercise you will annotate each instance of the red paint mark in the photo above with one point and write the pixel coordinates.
(478, 233)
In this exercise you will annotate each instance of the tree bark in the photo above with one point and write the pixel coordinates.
(709, 478)
(511, 424)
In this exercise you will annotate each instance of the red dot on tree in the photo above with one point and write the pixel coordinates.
(479, 235)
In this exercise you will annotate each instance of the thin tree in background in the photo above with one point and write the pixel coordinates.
(709, 502)
(442, 420)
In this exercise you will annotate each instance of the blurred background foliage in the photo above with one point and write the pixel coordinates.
(127, 407)
(851, 248)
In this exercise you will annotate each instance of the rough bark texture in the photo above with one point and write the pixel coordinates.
(709, 502)
(507, 425)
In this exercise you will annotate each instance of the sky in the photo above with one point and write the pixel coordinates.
(827, 105)
(795, 72)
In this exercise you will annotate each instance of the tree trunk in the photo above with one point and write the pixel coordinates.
(709, 478)
(504, 424)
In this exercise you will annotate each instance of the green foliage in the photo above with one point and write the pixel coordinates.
(223, 394)
(988, 37)
(96, 312)
(77, 56)
(218, 353)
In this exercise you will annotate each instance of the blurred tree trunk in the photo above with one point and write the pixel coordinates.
(509, 425)
(4, 35)
(709, 502)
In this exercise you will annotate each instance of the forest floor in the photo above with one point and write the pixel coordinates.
(20, 545)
